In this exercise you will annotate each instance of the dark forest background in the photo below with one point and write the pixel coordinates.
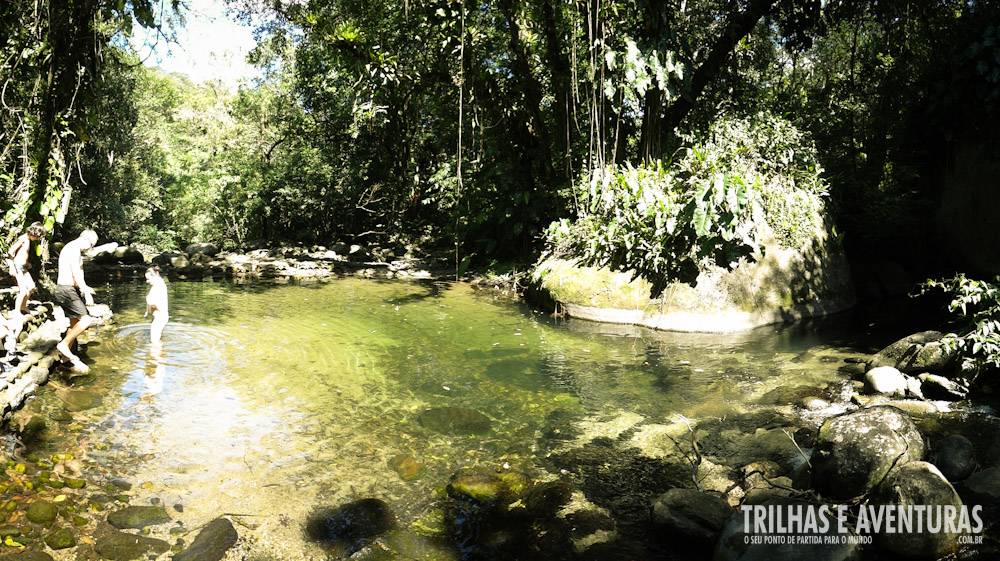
(475, 126)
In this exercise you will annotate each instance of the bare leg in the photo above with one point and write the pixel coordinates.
(156, 328)
(76, 327)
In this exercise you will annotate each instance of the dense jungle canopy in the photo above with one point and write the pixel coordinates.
(477, 125)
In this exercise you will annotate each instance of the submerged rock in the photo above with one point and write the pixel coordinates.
(352, 524)
(407, 467)
(212, 543)
(60, 539)
(138, 517)
(30, 556)
(81, 400)
(455, 420)
(42, 512)
(854, 451)
(120, 546)
(487, 486)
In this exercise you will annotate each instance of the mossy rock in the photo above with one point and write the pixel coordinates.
(60, 539)
(407, 467)
(212, 543)
(138, 517)
(120, 546)
(30, 556)
(488, 487)
(42, 512)
(455, 420)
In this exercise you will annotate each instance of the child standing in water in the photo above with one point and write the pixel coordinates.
(156, 303)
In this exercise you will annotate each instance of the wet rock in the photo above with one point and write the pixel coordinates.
(60, 539)
(624, 482)
(544, 499)
(756, 474)
(120, 546)
(939, 387)
(955, 458)
(407, 467)
(352, 524)
(779, 445)
(209, 249)
(982, 487)
(42, 512)
(28, 556)
(33, 431)
(138, 517)
(814, 403)
(919, 352)
(911, 484)
(212, 543)
(487, 486)
(691, 514)
(854, 451)
(886, 380)
(455, 420)
(81, 400)
(735, 545)
(130, 256)
(853, 369)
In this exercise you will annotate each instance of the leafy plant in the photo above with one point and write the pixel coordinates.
(745, 179)
(978, 304)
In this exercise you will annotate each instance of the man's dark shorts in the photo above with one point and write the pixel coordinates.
(69, 298)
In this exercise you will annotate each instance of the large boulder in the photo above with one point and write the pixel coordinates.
(208, 249)
(856, 450)
(919, 352)
(919, 484)
(783, 284)
(955, 457)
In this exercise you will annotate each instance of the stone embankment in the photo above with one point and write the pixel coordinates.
(206, 261)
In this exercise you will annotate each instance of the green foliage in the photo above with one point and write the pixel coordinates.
(977, 303)
(714, 205)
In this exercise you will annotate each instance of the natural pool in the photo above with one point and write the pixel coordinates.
(268, 401)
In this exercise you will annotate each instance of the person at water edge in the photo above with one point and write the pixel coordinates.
(17, 256)
(73, 295)
(17, 261)
(156, 303)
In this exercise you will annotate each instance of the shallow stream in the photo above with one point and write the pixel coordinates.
(270, 400)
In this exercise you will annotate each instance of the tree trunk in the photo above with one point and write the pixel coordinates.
(559, 65)
(531, 94)
(738, 26)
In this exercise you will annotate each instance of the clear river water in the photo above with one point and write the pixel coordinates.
(268, 401)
